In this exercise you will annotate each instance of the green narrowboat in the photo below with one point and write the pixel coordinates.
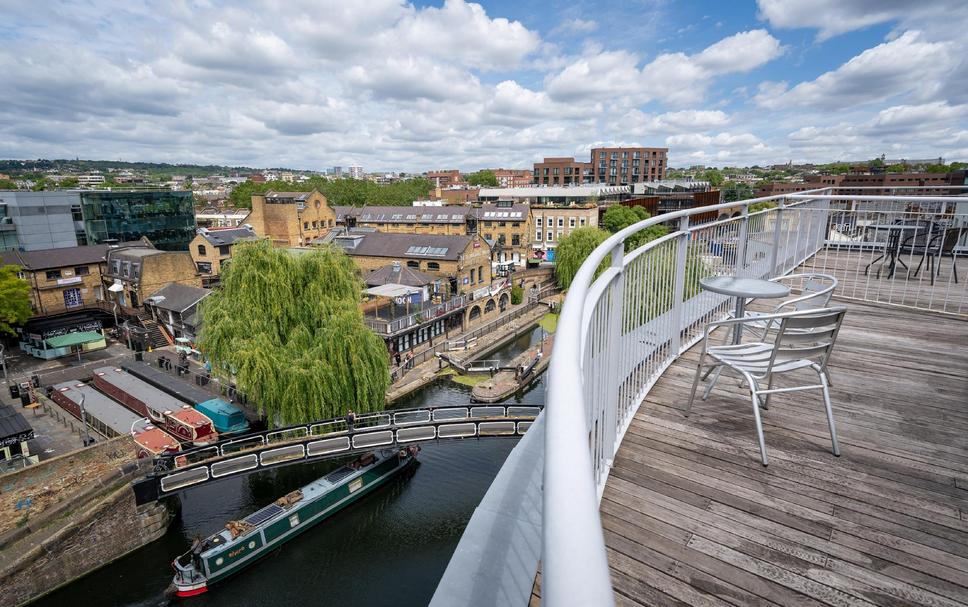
(241, 543)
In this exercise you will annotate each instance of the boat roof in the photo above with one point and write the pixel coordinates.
(110, 413)
(153, 398)
(181, 390)
(156, 440)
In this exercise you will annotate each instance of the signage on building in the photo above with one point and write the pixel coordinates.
(88, 325)
(73, 280)
(17, 438)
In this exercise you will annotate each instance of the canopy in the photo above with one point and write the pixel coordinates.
(393, 290)
(73, 339)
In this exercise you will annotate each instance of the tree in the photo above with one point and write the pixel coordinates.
(288, 328)
(6, 184)
(572, 251)
(736, 191)
(714, 177)
(619, 217)
(14, 299)
(485, 178)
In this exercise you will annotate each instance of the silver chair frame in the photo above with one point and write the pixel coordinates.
(804, 339)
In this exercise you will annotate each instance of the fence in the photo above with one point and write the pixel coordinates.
(630, 314)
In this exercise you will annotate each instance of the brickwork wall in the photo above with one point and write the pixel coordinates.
(101, 533)
(47, 297)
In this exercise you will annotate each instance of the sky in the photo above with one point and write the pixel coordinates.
(398, 86)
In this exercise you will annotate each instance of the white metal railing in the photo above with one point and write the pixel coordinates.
(425, 313)
(620, 330)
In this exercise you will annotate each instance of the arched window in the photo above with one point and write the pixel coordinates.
(475, 313)
(413, 264)
(433, 265)
(201, 249)
(489, 306)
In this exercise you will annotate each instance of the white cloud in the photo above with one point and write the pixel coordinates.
(907, 64)
(676, 78)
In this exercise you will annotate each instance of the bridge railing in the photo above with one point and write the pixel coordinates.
(629, 314)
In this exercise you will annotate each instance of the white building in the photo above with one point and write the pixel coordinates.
(92, 178)
(356, 172)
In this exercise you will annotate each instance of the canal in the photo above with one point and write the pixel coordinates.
(389, 549)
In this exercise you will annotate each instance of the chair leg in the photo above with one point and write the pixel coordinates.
(769, 386)
(830, 414)
(920, 263)
(695, 384)
(759, 428)
(712, 382)
(954, 266)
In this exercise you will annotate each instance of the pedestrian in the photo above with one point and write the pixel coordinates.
(350, 420)
(396, 357)
(409, 359)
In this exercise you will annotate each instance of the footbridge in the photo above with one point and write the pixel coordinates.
(328, 439)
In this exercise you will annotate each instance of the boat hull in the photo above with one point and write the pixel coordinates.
(236, 558)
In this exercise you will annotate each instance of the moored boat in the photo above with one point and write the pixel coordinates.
(242, 542)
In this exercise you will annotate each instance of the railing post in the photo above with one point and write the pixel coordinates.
(614, 372)
(679, 286)
(775, 249)
(744, 225)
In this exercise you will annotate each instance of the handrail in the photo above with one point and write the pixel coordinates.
(592, 359)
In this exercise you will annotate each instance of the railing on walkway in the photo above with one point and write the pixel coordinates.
(418, 317)
(630, 314)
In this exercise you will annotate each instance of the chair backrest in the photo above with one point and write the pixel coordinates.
(815, 291)
(808, 335)
(951, 236)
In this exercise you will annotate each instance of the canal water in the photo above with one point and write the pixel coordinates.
(390, 549)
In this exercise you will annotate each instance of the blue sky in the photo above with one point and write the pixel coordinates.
(399, 86)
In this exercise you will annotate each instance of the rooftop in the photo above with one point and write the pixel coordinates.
(397, 274)
(63, 257)
(178, 297)
(574, 191)
(405, 246)
(455, 214)
(226, 236)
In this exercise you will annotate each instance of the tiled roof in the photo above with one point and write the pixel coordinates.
(404, 246)
(178, 297)
(399, 275)
(453, 214)
(228, 235)
(63, 257)
(493, 212)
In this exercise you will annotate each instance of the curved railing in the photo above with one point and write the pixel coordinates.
(629, 314)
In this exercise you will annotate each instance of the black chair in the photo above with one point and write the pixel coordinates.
(941, 244)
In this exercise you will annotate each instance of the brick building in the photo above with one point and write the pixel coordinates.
(132, 274)
(508, 228)
(513, 178)
(562, 171)
(291, 219)
(869, 184)
(212, 248)
(552, 222)
(443, 220)
(465, 261)
(625, 166)
(455, 195)
(63, 280)
(445, 178)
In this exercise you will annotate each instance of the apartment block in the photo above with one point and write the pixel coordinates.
(442, 220)
(507, 227)
(626, 166)
(551, 223)
(445, 178)
(562, 171)
(132, 274)
(513, 178)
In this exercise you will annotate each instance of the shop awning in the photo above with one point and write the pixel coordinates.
(73, 339)
(393, 290)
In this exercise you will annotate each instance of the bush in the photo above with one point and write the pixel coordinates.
(517, 295)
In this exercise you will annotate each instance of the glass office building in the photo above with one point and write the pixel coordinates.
(165, 217)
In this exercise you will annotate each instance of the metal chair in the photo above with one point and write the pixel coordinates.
(941, 244)
(804, 339)
(815, 292)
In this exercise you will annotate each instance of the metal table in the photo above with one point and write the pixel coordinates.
(742, 289)
(892, 250)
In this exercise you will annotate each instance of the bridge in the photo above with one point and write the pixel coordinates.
(328, 439)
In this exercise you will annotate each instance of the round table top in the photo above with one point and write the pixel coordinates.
(744, 287)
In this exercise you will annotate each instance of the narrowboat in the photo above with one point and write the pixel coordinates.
(228, 419)
(111, 419)
(242, 542)
(178, 419)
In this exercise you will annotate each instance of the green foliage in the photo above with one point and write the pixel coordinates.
(517, 295)
(618, 217)
(68, 182)
(14, 299)
(349, 192)
(735, 191)
(713, 176)
(41, 184)
(289, 329)
(650, 292)
(762, 205)
(484, 178)
(6, 184)
(936, 168)
(572, 251)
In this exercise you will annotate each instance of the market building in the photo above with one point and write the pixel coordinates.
(291, 219)
(211, 249)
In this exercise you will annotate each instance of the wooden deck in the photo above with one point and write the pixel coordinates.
(945, 295)
(691, 517)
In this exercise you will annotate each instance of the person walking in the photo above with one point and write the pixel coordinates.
(350, 420)
(409, 360)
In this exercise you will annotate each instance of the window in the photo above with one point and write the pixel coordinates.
(433, 265)
(81, 237)
(480, 273)
(72, 298)
(472, 274)
(76, 212)
(224, 249)
(81, 271)
(53, 274)
(305, 225)
(537, 223)
(551, 236)
(515, 240)
(204, 267)
(488, 236)
(413, 264)
(561, 222)
(315, 225)
(537, 235)
(581, 221)
(571, 222)
(201, 250)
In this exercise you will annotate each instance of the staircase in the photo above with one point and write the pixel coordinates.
(157, 338)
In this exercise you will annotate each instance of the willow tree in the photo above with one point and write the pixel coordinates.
(287, 327)
(573, 249)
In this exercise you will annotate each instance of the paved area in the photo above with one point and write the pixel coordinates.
(56, 432)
